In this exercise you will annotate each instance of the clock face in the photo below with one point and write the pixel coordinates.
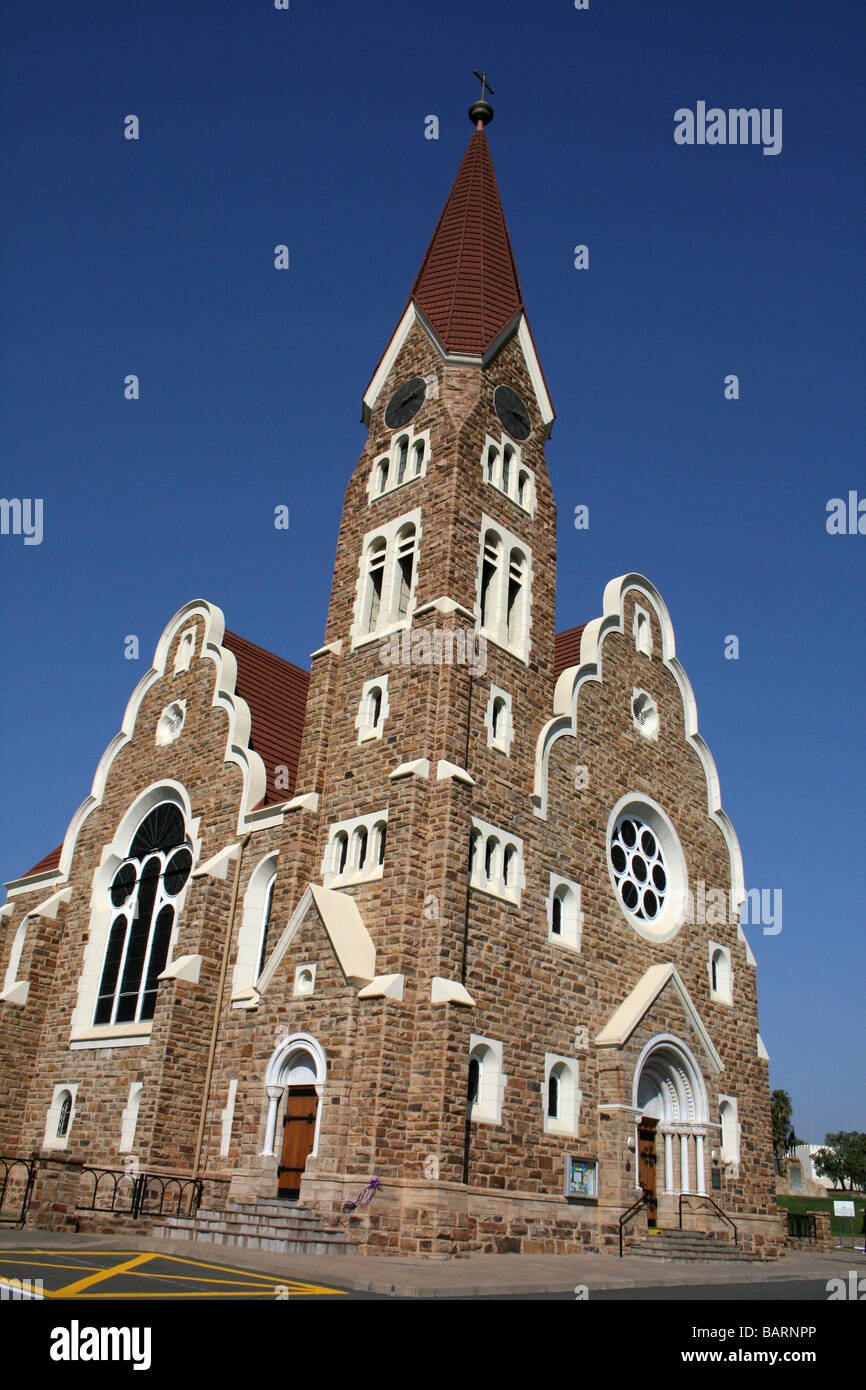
(512, 412)
(405, 403)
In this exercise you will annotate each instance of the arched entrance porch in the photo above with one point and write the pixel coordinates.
(295, 1082)
(671, 1098)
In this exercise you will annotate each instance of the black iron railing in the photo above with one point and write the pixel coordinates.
(801, 1224)
(702, 1197)
(141, 1194)
(16, 1183)
(633, 1210)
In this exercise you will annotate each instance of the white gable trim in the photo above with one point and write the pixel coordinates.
(344, 927)
(589, 668)
(224, 697)
(620, 1026)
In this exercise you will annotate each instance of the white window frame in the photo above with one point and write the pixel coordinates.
(300, 988)
(567, 1071)
(496, 626)
(372, 869)
(724, 993)
(729, 1155)
(185, 649)
(52, 1140)
(489, 839)
(502, 740)
(386, 620)
(252, 923)
(644, 713)
(391, 456)
(367, 732)
(517, 467)
(487, 1109)
(642, 630)
(572, 917)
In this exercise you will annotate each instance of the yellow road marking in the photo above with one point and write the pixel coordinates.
(70, 1290)
(219, 1293)
(242, 1281)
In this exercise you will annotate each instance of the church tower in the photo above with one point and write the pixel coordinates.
(435, 673)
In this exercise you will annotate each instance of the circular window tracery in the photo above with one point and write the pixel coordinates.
(639, 867)
(647, 867)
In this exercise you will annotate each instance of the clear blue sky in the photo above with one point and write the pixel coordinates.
(306, 127)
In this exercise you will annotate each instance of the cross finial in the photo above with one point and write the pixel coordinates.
(482, 78)
(480, 112)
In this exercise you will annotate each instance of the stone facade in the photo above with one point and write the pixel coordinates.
(440, 962)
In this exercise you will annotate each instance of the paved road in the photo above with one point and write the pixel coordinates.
(126, 1274)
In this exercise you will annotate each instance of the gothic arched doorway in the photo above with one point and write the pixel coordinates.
(295, 1079)
(670, 1094)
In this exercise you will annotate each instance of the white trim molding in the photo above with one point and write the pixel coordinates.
(566, 699)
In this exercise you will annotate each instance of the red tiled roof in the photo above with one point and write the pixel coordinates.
(566, 651)
(276, 692)
(467, 286)
(51, 861)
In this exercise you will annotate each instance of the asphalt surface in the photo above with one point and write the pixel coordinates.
(104, 1268)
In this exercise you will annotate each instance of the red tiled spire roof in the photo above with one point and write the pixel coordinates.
(467, 286)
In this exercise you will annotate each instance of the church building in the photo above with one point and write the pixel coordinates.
(450, 919)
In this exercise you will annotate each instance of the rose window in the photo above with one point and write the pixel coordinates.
(639, 868)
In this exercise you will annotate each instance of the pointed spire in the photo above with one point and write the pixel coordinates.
(467, 286)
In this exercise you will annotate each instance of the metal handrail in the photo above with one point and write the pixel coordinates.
(704, 1197)
(142, 1194)
(627, 1215)
(8, 1165)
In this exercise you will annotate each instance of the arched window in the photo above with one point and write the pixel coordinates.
(498, 718)
(375, 575)
(63, 1115)
(508, 864)
(489, 568)
(474, 1087)
(486, 1082)
(266, 921)
(556, 915)
(360, 847)
(381, 832)
(382, 475)
(492, 455)
(490, 850)
(523, 488)
(374, 695)
(405, 569)
(342, 852)
(144, 894)
(514, 614)
(565, 919)
(720, 974)
(418, 456)
(402, 455)
(507, 455)
(553, 1094)
(561, 1095)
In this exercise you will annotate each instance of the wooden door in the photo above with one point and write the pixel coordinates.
(647, 1166)
(299, 1129)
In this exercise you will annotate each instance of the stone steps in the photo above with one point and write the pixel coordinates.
(266, 1225)
(686, 1245)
